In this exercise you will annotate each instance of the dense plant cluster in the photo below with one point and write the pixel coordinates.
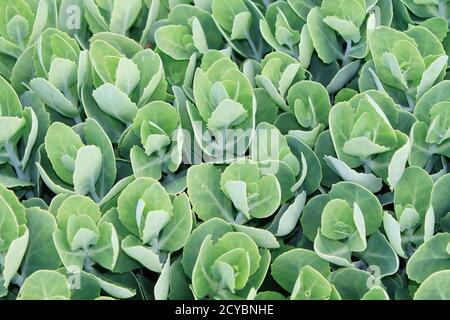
(211, 149)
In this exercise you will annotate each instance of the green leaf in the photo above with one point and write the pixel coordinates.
(106, 250)
(53, 98)
(311, 285)
(368, 180)
(214, 227)
(41, 252)
(114, 288)
(361, 283)
(333, 251)
(203, 282)
(263, 238)
(152, 196)
(123, 15)
(430, 257)
(375, 293)
(179, 283)
(115, 103)
(14, 255)
(133, 247)
(287, 267)
(367, 202)
(62, 145)
(287, 218)
(128, 76)
(69, 258)
(337, 220)
(176, 233)
(162, 285)
(433, 288)
(414, 188)
(77, 206)
(323, 37)
(207, 199)
(174, 41)
(228, 113)
(88, 165)
(379, 253)
(440, 203)
(11, 127)
(45, 285)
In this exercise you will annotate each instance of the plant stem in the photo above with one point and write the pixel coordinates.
(346, 58)
(88, 264)
(77, 119)
(255, 51)
(411, 102)
(94, 195)
(239, 218)
(442, 9)
(155, 245)
(18, 280)
(14, 161)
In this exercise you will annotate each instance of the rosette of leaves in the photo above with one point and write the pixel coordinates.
(430, 135)
(344, 223)
(282, 25)
(279, 72)
(45, 285)
(223, 116)
(364, 285)
(222, 263)
(78, 160)
(242, 195)
(252, 195)
(414, 220)
(405, 64)
(86, 243)
(338, 31)
(124, 78)
(368, 131)
(188, 30)
(238, 22)
(304, 275)
(239, 194)
(154, 142)
(14, 238)
(294, 164)
(55, 79)
(21, 25)
(309, 102)
(40, 252)
(158, 225)
(21, 131)
(112, 16)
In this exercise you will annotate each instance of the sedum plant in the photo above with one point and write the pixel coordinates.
(77, 160)
(116, 87)
(21, 135)
(22, 24)
(224, 108)
(189, 30)
(56, 72)
(157, 224)
(14, 237)
(155, 141)
(407, 62)
(224, 150)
